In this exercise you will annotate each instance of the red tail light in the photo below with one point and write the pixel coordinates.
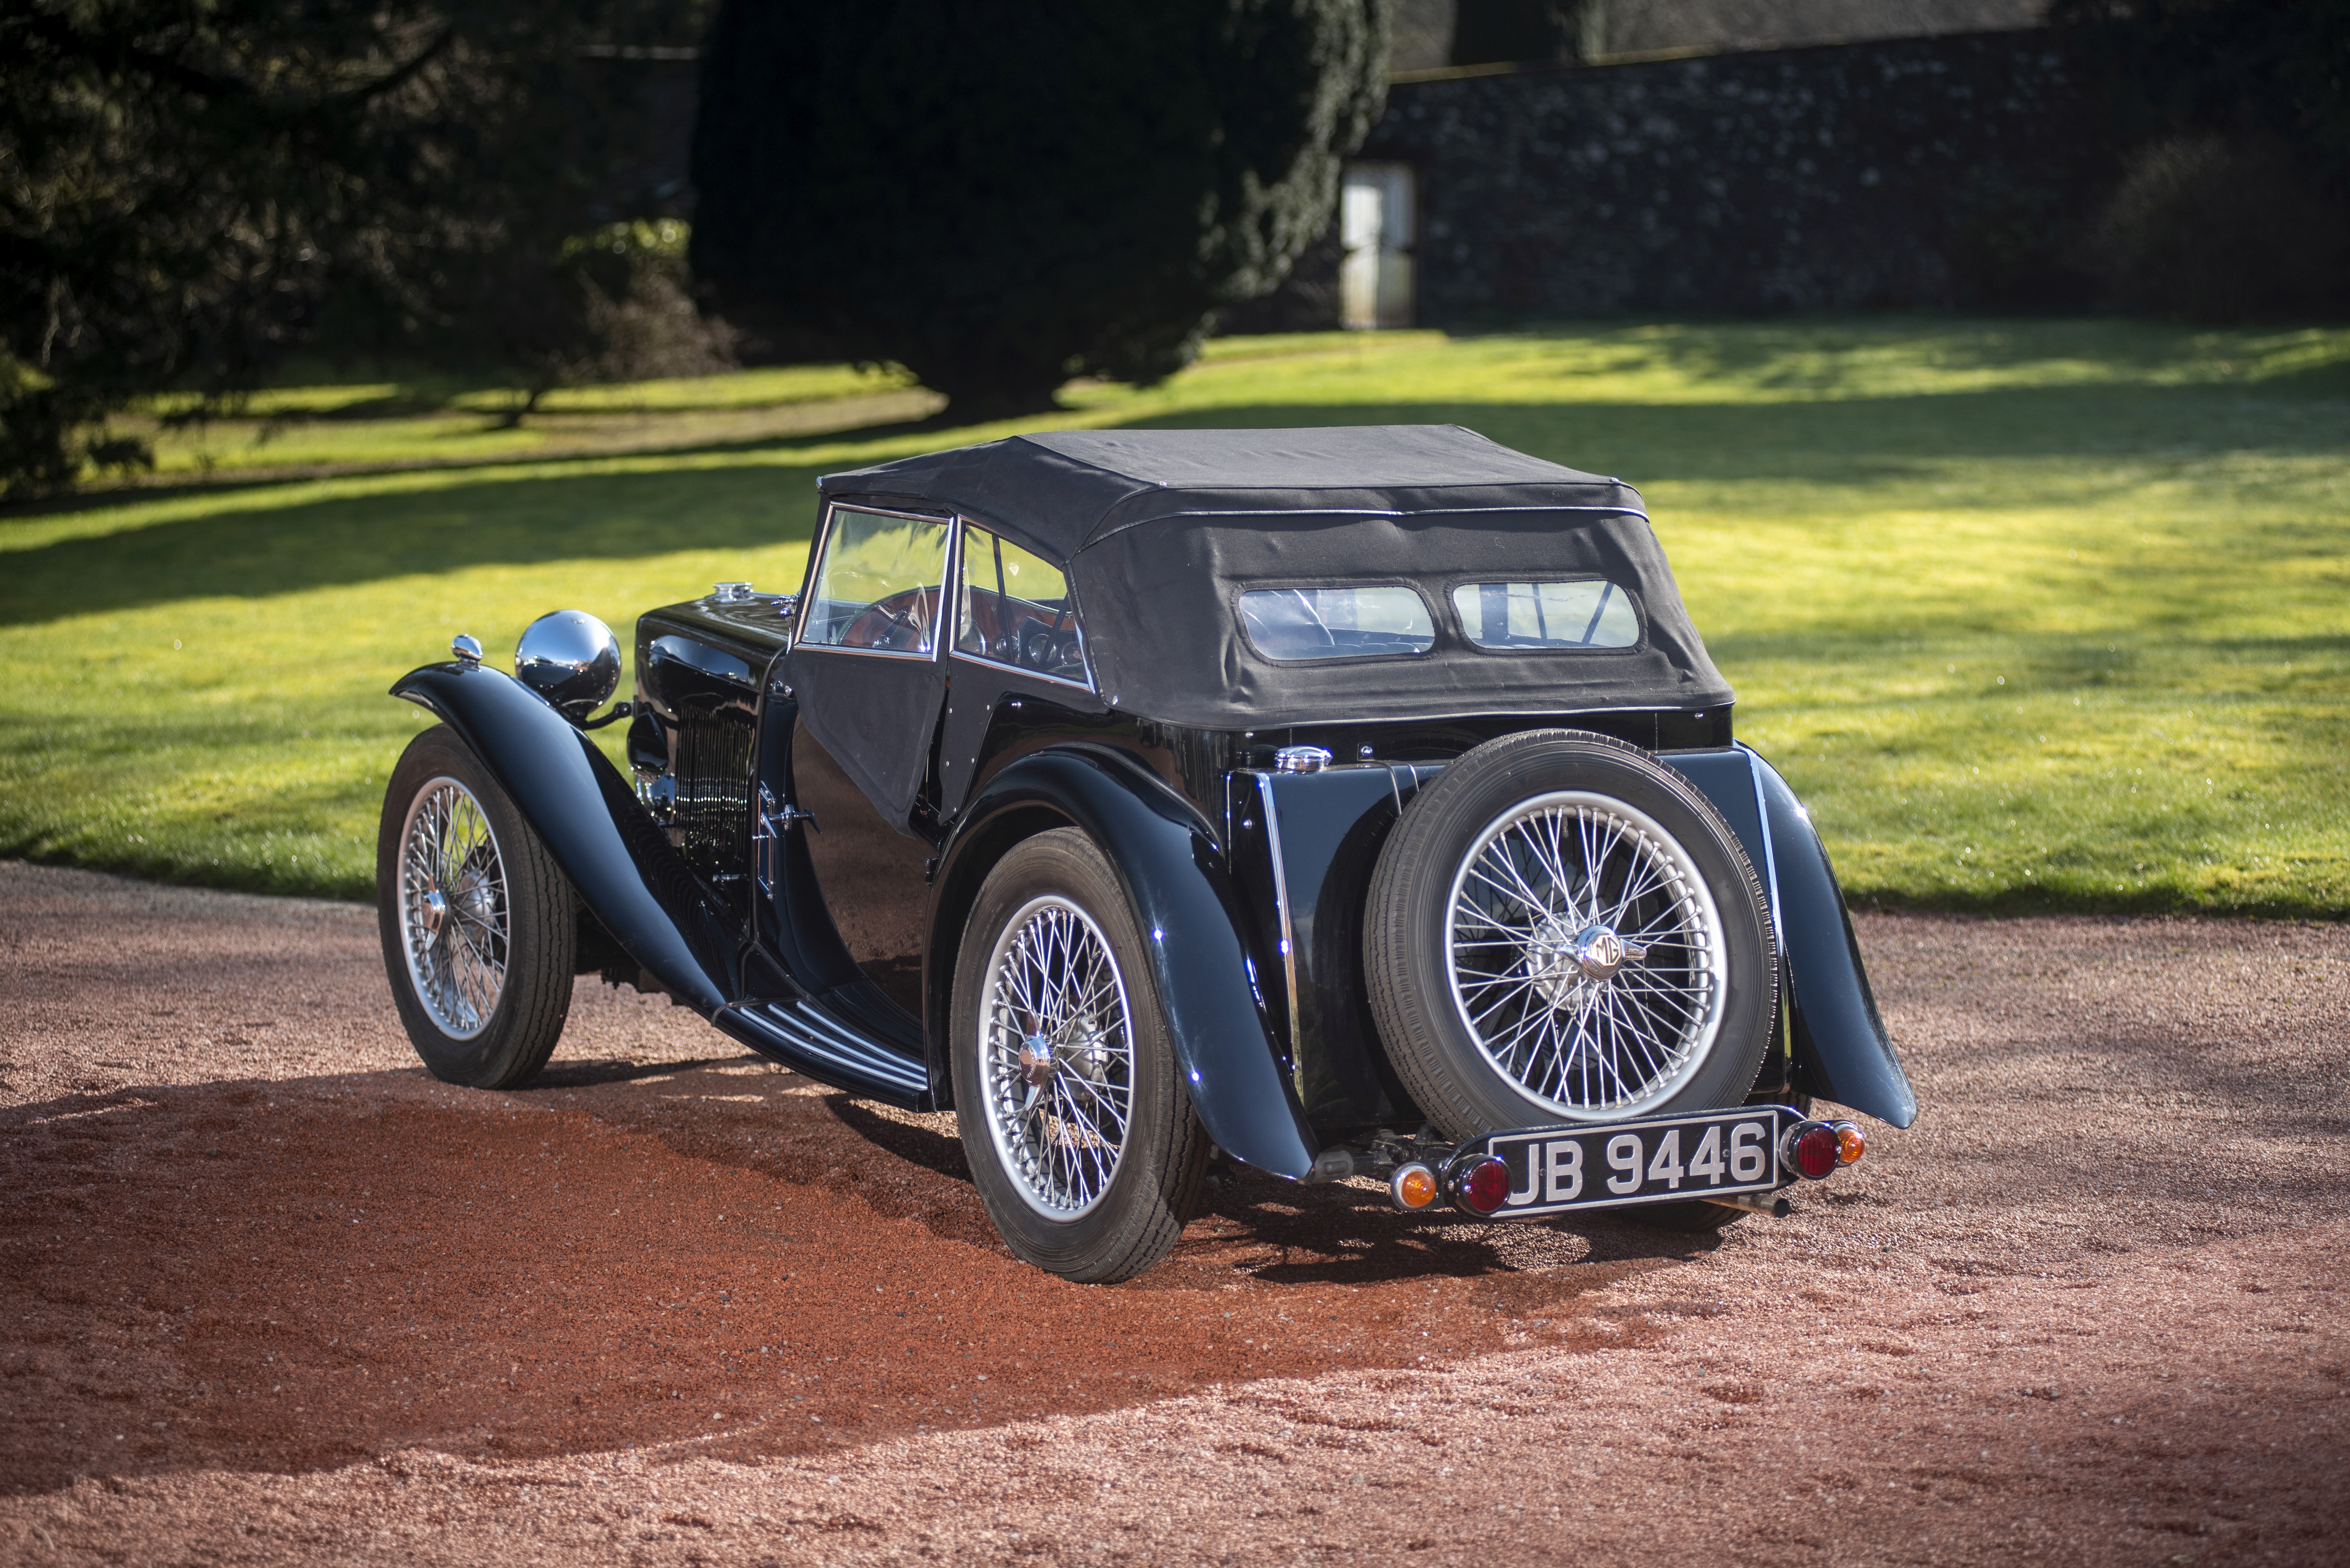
(1482, 1186)
(1813, 1150)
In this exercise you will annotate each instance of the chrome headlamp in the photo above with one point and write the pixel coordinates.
(572, 659)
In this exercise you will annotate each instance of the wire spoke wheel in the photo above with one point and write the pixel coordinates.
(1056, 1056)
(1585, 954)
(1083, 1142)
(1562, 928)
(453, 909)
(480, 930)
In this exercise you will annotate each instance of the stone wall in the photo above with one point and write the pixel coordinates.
(1942, 171)
(1638, 26)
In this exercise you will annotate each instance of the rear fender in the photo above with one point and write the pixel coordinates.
(615, 856)
(1842, 1052)
(1183, 897)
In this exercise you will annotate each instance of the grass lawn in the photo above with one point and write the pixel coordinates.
(2034, 615)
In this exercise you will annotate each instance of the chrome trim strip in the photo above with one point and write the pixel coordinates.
(852, 1046)
(764, 838)
(1092, 539)
(807, 1032)
(1770, 851)
(1085, 686)
(842, 1039)
(1395, 787)
(939, 518)
(871, 652)
(1281, 900)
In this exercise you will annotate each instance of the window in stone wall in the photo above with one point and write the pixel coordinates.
(1375, 224)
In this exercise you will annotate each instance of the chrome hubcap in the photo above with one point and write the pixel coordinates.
(1037, 1061)
(1055, 1057)
(1599, 951)
(1585, 954)
(452, 908)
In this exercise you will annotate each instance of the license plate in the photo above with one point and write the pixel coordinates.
(1556, 1170)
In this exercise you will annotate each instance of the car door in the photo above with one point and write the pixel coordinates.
(847, 822)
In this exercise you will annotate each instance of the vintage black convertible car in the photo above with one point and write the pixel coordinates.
(1351, 802)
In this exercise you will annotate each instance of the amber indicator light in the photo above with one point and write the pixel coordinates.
(1413, 1187)
(1851, 1142)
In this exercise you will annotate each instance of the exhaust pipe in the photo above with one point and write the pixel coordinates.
(1770, 1203)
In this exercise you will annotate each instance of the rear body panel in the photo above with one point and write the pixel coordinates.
(1308, 871)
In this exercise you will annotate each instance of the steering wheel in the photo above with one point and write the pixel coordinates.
(890, 623)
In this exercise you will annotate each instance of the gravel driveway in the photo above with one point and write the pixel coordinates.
(270, 1294)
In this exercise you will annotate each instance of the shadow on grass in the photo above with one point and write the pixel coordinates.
(262, 481)
(354, 540)
(2027, 898)
(1854, 441)
(528, 519)
(1814, 354)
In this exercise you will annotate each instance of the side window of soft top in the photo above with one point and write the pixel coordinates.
(880, 584)
(1339, 621)
(1016, 609)
(1581, 613)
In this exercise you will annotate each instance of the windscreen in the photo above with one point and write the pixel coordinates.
(879, 585)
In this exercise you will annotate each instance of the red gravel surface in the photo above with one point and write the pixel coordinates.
(269, 1293)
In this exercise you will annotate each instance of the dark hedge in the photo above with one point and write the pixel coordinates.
(190, 191)
(2235, 202)
(1002, 196)
(2278, 68)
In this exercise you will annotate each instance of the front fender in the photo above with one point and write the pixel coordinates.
(1184, 898)
(582, 810)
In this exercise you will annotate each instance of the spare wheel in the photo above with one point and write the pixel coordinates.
(1562, 929)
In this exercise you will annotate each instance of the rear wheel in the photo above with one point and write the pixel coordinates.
(475, 918)
(1083, 1144)
(1563, 930)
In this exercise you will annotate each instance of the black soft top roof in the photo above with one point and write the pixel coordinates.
(1068, 489)
(1161, 530)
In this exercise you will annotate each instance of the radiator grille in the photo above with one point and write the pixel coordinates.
(713, 791)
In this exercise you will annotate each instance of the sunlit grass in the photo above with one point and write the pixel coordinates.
(2034, 615)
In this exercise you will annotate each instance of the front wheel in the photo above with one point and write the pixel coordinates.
(475, 918)
(1083, 1144)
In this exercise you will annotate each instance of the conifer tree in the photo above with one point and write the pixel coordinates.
(1000, 196)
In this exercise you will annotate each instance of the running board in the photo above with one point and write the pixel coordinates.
(800, 1036)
